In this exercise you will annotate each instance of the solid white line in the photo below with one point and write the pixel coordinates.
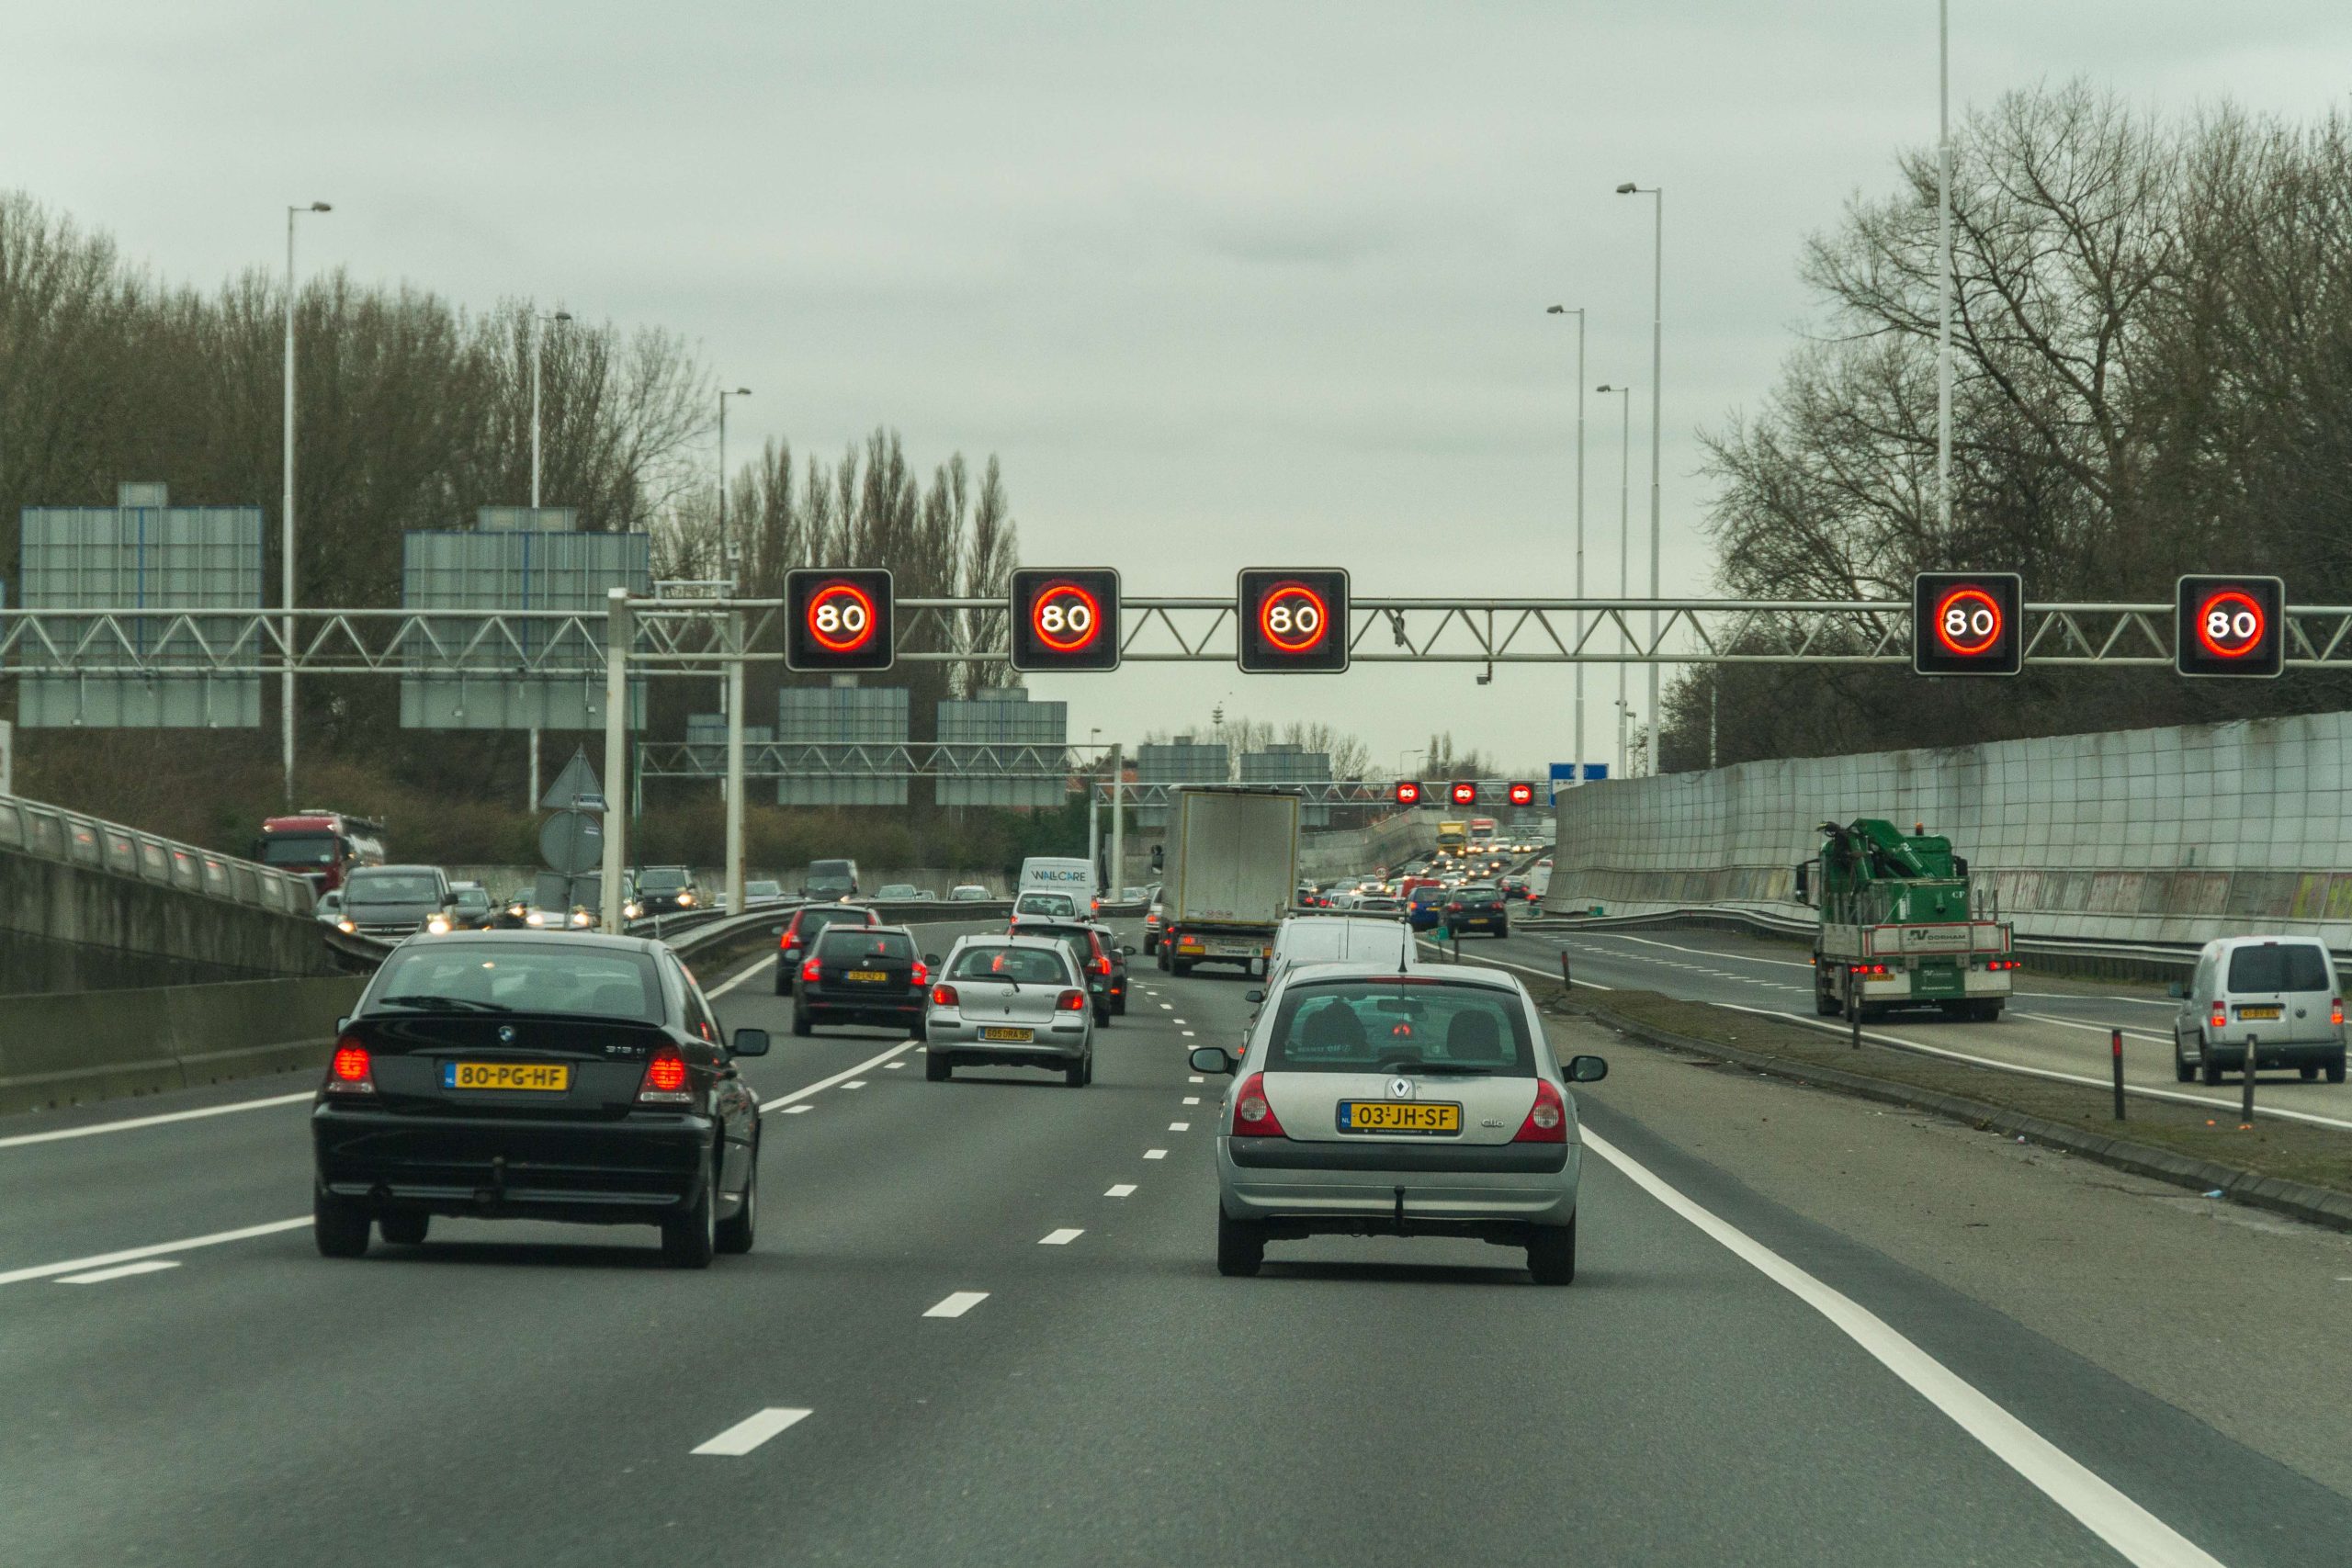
(1180, 1126)
(1148, 1154)
(796, 1110)
(751, 1431)
(76, 1265)
(129, 1123)
(956, 1303)
(122, 1271)
(2131, 1530)
(2094, 1027)
(732, 981)
(1120, 1190)
(1528, 969)
(1059, 1238)
(798, 1095)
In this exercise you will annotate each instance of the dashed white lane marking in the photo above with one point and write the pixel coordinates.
(105, 1259)
(1188, 1034)
(120, 1271)
(798, 1110)
(1180, 1126)
(1120, 1190)
(1180, 1020)
(1168, 1007)
(956, 1303)
(732, 981)
(1196, 1079)
(1192, 1099)
(893, 1065)
(129, 1123)
(2141, 1537)
(1155, 1154)
(798, 1095)
(751, 1431)
(1059, 1238)
(855, 1083)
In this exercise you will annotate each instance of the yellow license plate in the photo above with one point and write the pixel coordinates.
(539, 1077)
(1015, 1035)
(2259, 1012)
(871, 975)
(1398, 1116)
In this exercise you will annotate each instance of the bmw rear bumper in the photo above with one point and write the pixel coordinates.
(616, 1172)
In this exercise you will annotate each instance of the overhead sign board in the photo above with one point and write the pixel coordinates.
(1065, 620)
(1291, 622)
(837, 621)
(1967, 623)
(2230, 625)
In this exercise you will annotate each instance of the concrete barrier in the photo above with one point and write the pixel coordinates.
(74, 1047)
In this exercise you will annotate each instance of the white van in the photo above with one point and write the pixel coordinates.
(2278, 995)
(1340, 939)
(1070, 875)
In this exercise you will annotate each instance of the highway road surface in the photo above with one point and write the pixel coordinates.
(983, 1325)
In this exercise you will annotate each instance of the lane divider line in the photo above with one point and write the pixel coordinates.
(751, 1431)
(1196, 1079)
(795, 1110)
(1120, 1190)
(1148, 1154)
(734, 980)
(2139, 1536)
(855, 1083)
(132, 1123)
(158, 1249)
(955, 1304)
(798, 1095)
(1192, 1099)
(120, 1271)
(1180, 1126)
(1059, 1237)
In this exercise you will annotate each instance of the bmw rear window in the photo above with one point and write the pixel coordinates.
(1411, 1026)
(469, 976)
(2280, 967)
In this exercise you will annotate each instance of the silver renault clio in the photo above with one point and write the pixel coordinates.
(1370, 1103)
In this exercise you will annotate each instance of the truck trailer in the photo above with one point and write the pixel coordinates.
(1901, 926)
(1232, 871)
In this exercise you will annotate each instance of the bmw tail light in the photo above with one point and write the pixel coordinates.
(1071, 1001)
(946, 996)
(665, 1079)
(1547, 1120)
(351, 1071)
(1252, 1116)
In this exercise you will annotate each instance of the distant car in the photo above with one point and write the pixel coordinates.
(1480, 906)
(475, 909)
(1422, 896)
(1101, 960)
(1514, 888)
(968, 893)
(1155, 923)
(666, 890)
(1044, 906)
(514, 1076)
(798, 934)
(329, 908)
(2277, 996)
(761, 890)
(829, 881)
(895, 892)
(1379, 904)
(1018, 1002)
(394, 901)
(1340, 939)
(857, 974)
(1352, 1077)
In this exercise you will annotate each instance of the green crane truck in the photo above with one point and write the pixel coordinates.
(1900, 927)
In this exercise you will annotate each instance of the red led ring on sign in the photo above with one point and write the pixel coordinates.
(1056, 593)
(2233, 649)
(1965, 648)
(830, 642)
(1284, 594)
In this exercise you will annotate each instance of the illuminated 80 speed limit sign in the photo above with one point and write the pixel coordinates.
(838, 620)
(2230, 625)
(1966, 623)
(1066, 619)
(1293, 622)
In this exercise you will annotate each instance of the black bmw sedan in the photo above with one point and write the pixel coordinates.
(516, 1075)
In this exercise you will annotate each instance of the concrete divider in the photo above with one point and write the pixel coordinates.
(74, 1047)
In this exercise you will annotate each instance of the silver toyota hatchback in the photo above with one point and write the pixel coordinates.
(1014, 1001)
(1370, 1103)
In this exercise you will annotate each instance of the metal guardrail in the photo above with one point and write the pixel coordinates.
(75, 838)
(2076, 948)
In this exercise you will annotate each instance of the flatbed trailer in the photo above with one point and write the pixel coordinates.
(1903, 924)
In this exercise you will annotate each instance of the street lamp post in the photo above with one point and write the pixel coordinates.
(1658, 349)
(1578, 314)
(724, 566)
(1624, 536)
(1943, 266)
(285, 518)
(532, 801)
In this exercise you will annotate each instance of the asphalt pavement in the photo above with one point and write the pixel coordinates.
(983, 1324)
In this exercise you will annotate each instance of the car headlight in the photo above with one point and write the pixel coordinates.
(686, 900)
(583, 918)
(632, 911)
(345, 926)
(535, 918)
(438, 925)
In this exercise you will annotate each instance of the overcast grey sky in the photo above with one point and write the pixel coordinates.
(1223, 283)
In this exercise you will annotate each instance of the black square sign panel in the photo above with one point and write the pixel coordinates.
(1967, 623)
(2230, 625)
(837, 620)
(1292, 622)
(1065, 620)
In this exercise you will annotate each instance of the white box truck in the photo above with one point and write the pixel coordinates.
(1232, 873)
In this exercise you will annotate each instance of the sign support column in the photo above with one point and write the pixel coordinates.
(1118, 829)
(735, 762)
(616, 641)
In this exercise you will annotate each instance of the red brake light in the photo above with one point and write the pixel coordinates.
(920, 976)
(944, 996)
(1547, 1120)
(1101, 966)
(665, 1079)
(1071, 1001)
(2221, 1016)
(2336, 1010)
(1455, 906)
(810, 970)
(1252, 1116)
(351, 1072)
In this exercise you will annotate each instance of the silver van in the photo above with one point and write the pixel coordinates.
(1341, 939)
(2278, 995)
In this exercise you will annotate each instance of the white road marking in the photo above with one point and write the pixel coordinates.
(2139, 1536)
(1180, 1020)
(1188, 1034)
(798, 1095)
(1192, 1099)
(1180, 1126)
(956, 1303)
(120, 1271)
(893, 1065)
(751, 1431)
(1168, 1007)
(103, 1260)
(1530, 969)
(1059, 1238)
(2094, 1027)
(855, 1083)
(797, 1109)
(1148, 1154)
(1120, 1190)
(131, 1122)
(731, 982)
(1196, 1079)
